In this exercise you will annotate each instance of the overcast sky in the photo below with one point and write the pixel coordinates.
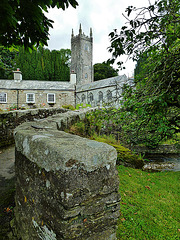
(101, 15)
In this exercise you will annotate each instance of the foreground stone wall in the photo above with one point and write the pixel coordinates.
(67, 186)
(10, 120)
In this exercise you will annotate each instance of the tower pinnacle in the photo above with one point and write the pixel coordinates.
(91, 32)
(80, 29)
(72, 35)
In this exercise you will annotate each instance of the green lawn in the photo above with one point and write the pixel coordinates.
(150, 205)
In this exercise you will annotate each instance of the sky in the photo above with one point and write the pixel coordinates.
(102, 16)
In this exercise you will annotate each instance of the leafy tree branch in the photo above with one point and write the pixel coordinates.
(23, 22)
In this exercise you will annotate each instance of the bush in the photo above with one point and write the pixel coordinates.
(71, 107)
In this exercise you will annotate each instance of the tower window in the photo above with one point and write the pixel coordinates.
(86, 75)
(86, 47)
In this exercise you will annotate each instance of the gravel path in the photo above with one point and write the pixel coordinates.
(7, 190)
(7, 158)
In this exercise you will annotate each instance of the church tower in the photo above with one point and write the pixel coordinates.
(82, 57)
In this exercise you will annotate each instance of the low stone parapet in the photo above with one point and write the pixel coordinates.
(67, 186)
(10, 120)
(159, 150)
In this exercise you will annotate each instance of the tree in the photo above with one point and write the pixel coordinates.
(104, 70)
(43, 64)
(150, 112)
(154, 27)
(7, 63)
(23, 22)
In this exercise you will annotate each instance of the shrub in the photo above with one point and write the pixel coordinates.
(71, 107)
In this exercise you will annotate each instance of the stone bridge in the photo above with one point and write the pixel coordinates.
(10, 120)
(67, 186)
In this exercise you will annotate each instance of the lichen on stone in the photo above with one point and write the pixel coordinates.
(43, 232)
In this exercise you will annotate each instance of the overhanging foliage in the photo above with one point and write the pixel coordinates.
(150, 112)
(23, 22)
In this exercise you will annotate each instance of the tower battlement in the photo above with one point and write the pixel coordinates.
(81, 34)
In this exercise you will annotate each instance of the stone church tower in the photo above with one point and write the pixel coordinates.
(82, 57)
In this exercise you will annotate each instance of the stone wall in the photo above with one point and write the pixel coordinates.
(10, 120)
(159, 150)
(67, 186)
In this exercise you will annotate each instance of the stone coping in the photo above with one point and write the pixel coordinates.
(53, 142)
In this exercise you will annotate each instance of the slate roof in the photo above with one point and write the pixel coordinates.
(35, 85)
(66, 86)
(120, 80)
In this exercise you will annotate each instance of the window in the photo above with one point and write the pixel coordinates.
(109, 95)
(30, 97)
(83, 98)
(86, 47)
(51, 98)
(91, 98)
(100, 96)
(3, 97)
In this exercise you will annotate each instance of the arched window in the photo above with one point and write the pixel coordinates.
(90, 98)
(86, 75)
(83, 98)
(109, 95)
(100, 96)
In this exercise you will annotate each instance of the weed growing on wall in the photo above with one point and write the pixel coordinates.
(69, 106)
(81, 105)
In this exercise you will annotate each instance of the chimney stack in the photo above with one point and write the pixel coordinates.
(17, 75)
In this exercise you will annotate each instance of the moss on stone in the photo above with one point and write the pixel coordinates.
(124, 155)
(127, 158)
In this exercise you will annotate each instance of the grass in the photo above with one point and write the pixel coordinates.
(150, 202)
(150, 205)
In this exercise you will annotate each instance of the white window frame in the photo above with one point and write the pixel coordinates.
(27, 100)
(2, 99)
(49, 101)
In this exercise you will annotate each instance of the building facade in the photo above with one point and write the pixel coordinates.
(20, 93)
(80, 90)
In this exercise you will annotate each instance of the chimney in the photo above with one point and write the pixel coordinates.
(17, 75)
(73, 77)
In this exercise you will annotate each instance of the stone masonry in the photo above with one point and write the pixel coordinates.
(67, 186)
(82, 57)
(10, 120)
